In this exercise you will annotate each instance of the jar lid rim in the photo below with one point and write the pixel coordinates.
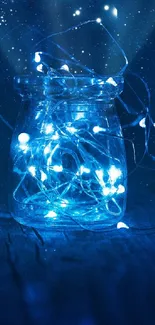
(79, 85)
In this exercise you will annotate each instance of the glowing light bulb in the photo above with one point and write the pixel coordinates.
(106, 191)
(98, 20)
(115, 12)
(97, 129)
(23, 138)
(65, 67)
(113, 190)
(40, 68)
(112, 82)
(106, 7)
(142, 123)
(43, 176)
(49, 128)
(47, 149)
(121, 189)
(114, 174)
(55, 136)
(122, 225)
(57, 168)
(109, 190)
(37, 57)
(51, 214)
(32, 170)
(77, 12)
(83, 170)
(79, 116)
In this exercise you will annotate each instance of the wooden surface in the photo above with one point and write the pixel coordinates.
(76, 279)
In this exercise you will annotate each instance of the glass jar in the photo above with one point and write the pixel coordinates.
(68, 162)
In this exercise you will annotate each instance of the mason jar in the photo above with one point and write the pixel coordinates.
(67, 157)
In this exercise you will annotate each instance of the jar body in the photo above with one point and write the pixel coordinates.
(68, 165)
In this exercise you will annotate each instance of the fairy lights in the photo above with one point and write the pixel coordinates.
(70, 170)
(70, 173)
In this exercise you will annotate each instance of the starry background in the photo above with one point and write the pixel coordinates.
(24, 23)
